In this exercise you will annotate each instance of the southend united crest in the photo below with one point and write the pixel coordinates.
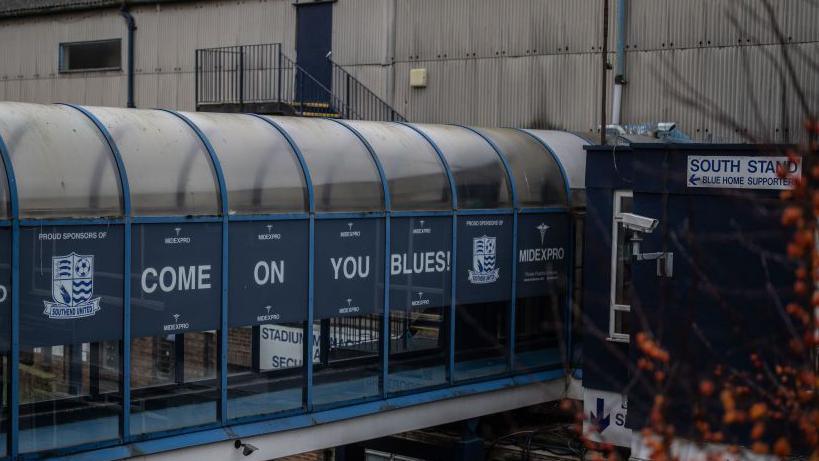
(483, 260)
(72, 288)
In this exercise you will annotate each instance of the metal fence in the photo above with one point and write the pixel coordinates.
(259, 74)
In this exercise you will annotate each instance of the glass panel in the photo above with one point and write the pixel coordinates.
(349, 306)
(62, 163)
(481, 340)
(408, 160)
(69, 395)
(537, 176)
(96, 55)
(173, 381)
(169, 170)
(479, 173)
(539, 334)
(265, 369)
(622, 322)
(343, 173)
(568, 148)
(420, 297)
(261, 171)
(348, 366)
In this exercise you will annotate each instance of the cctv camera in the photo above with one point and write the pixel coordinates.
(638, 223)
(247, 449)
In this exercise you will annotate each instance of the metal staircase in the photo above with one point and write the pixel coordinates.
(262, 79)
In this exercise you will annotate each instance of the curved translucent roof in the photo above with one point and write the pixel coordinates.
(414, 172)
(262, 173)
(537, 176)
(568, 148)
(480, 177)
(343, 173)
(169, 170)
(62, 163)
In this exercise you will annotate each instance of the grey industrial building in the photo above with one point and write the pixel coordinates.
(723, 70)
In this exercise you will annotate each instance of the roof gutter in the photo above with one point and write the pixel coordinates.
(131, 23)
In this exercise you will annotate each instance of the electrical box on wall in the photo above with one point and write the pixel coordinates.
(418, 78)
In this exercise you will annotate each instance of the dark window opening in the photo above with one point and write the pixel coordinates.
(85, 56)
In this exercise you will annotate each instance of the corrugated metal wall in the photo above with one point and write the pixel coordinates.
(535, 63)
(530, 63)
(166, 38)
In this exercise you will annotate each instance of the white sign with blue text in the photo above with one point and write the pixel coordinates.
(742, 172)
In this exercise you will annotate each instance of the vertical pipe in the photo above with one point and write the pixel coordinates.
(131, 23)
(603, 71)
(619, 64)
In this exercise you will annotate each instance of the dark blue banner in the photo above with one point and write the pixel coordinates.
(484, 265)
(420, 255)
(5, 289)
(71, 284)
(268, 272)
(176, 276)
(349, 267)
(543, 254)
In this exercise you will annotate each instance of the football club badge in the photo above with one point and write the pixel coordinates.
(72, 288)
(483, 261)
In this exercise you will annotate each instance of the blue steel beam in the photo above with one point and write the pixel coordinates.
(225, 209)
(125, 385)
(307, 350)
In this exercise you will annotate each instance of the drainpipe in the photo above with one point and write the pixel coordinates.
(619, 64)
(129, 20)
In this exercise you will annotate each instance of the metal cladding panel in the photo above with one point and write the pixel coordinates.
(349, 185)
(430, 29)
(354, 44)
(63, 165)
(420, 262)
(483, 267)
(745, 97)
(262, 173)
(480, 177)
(71, 287)
(536, 173)
(268, 272)
(169, 170)
(408, 160)
(670, 24)
(543, 262)
(175, 278)
(349, 270)
(568, 148)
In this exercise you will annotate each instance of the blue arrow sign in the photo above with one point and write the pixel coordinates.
(694, 179)
(598, 419)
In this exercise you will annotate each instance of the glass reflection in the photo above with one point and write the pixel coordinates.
(481, 339)
(539, 332)
(418, 346)
(173, 381)
(265, 366)
(69, 395)
(348, 365)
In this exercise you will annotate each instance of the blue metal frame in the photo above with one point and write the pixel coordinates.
(165, 440)
(570, 277)
(515, 208)
(222, 434)
(125, 385)
(225, 208)
(453, 193)
(385, 319)
(14, 394)
(307, 350)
